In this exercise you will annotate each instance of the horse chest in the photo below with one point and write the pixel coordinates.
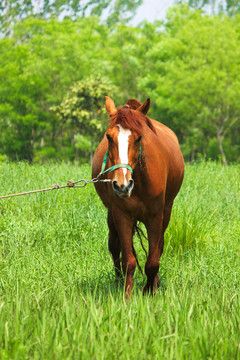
(138, 208)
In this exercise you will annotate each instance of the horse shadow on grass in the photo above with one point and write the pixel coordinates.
(106, 284)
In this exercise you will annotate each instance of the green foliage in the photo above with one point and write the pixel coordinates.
(189, 66)
(122, 11)
(13, 11)
(58, 295)
(36, 72)
(82, 112)
(230, 7)
(84, 106)
(196, 75)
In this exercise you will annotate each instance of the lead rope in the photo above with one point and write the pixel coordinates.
(72, 184)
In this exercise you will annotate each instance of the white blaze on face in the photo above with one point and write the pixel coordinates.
(123, 148)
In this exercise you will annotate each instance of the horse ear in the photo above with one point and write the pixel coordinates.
(134, 104)
(110, 106)
(144, 107)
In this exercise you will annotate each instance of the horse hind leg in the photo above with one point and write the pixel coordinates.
(114, 247)
(166, 218)
(135, 229)
(154, 229)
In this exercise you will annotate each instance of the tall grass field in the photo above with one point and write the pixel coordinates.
(58, 295)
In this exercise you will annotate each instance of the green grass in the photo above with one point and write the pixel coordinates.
(58, 297)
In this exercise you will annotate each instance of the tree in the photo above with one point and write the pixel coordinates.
(229, 7)
(189, 68)
(122, 11)
(197, 88)
(14, 11)
(42, 60)
(82, 115)
(38, 64)
(128, 49)
(19, 118)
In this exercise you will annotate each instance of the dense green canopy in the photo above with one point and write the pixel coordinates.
(189, 66)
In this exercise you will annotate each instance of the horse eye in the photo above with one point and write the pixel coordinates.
(138, 139)
(110, 139)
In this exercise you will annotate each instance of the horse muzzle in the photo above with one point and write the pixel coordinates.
(122, 191)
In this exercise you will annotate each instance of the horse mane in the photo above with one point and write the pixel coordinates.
(130, 119)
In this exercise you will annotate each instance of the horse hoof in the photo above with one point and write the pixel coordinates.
(128, 293)
(156, 282)
(145, 290)
(149, 290)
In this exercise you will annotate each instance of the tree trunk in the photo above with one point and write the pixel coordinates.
(220, 139)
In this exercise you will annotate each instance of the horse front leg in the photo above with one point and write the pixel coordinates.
(124, 227)
(114, 246)
(155, 243)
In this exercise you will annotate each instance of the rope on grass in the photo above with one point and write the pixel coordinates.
(70, 184)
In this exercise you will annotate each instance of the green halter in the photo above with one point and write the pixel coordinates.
(117, 166)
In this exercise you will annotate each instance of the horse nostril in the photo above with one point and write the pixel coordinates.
(114, 183)
(118, 188)
(130, 183)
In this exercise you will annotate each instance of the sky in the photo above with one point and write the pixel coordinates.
(152, 10)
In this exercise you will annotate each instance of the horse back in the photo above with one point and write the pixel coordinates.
(163, 129)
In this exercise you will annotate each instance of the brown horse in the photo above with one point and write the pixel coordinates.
(144, 190)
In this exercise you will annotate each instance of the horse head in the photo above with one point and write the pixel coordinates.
(124, 143)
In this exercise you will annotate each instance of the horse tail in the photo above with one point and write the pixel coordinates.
(138, 230)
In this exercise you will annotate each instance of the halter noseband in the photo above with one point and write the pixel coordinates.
(117, 166)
